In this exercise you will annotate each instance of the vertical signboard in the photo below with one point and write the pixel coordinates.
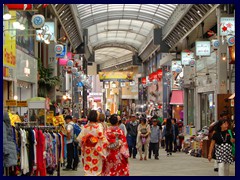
(227, 26)
(165, 92)
(176, 74)
(9, 48)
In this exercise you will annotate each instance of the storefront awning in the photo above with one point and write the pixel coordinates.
(232, 96)
(177, 97)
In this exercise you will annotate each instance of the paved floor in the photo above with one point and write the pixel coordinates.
(179, 164)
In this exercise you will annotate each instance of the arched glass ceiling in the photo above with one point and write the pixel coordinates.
(91, 14)
(131, 32)
(128, 24)
(110, 53)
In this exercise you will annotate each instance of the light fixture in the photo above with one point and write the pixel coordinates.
(224, 56)
(64, 97)
(177, 106)
(6, 14)
(15, 97)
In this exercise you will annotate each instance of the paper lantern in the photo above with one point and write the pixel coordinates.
(62, 62)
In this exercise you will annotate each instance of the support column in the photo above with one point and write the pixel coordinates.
(84, 90)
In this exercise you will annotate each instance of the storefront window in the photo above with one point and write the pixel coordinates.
(207, 108)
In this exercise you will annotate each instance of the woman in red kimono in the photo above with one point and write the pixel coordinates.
(116, 163)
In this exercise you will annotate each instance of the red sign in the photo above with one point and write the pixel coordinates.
(19, 6)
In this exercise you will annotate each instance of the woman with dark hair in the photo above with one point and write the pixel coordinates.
(222, 142)
(143, 137)
(169, 134)
(93, 145)
(116, 163)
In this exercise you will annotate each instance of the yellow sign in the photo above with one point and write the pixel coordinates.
(9, 42)
(11, 103)
(22, 103)
(116, 75)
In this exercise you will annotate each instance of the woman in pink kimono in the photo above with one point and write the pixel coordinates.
(93, 145)
(116, 163)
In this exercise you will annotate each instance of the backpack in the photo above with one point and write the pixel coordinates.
(76, 131)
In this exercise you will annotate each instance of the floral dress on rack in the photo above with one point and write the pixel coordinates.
(94, 148)
(116, 163)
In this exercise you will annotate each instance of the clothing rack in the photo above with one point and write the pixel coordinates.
(40, 127)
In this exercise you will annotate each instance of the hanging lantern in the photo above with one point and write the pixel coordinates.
(144, 80)
(74, 70)
(159, 74)
(70, 63)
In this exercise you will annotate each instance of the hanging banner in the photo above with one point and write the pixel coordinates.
(19, 6)
(123, 76)
(227, 26)
(203, 48)
(186, 57)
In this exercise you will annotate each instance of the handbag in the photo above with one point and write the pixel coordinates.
(233, 144)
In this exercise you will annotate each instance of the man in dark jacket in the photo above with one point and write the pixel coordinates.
(174, 122)
(132, 135)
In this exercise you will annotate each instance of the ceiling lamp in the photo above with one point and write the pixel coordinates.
(6, 14)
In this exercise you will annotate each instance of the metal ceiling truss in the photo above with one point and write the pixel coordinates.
(66, 18)
(119, 45)
(196, 14)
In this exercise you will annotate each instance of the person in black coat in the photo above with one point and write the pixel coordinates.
(174, 122)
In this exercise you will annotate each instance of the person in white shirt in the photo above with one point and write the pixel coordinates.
(72, 161)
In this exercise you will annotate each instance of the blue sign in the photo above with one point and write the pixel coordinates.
(62, 55)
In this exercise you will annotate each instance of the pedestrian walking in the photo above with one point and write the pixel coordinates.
(116, 163)
(72, 158)
(93, 145)
(132, 135)
(222, 141)
(169, 134)
(143, 138)
(155, 139)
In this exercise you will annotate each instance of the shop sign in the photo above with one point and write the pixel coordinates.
(116, 75)
(9, 43)
(19, 6)
(186, 57)
(7, 72)
(63, 51)
(22, 103)
(47, 29)
(203, 48)
(230, 40)
(11, 103)
(227, 26)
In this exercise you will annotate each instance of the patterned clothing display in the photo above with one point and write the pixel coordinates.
(38, 152)
(94, 148)
(116, 163)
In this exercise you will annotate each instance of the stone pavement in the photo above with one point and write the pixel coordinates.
(179, 164)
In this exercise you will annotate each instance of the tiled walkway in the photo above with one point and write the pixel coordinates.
(179, 164)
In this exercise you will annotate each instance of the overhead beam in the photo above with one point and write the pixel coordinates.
(118, 45)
